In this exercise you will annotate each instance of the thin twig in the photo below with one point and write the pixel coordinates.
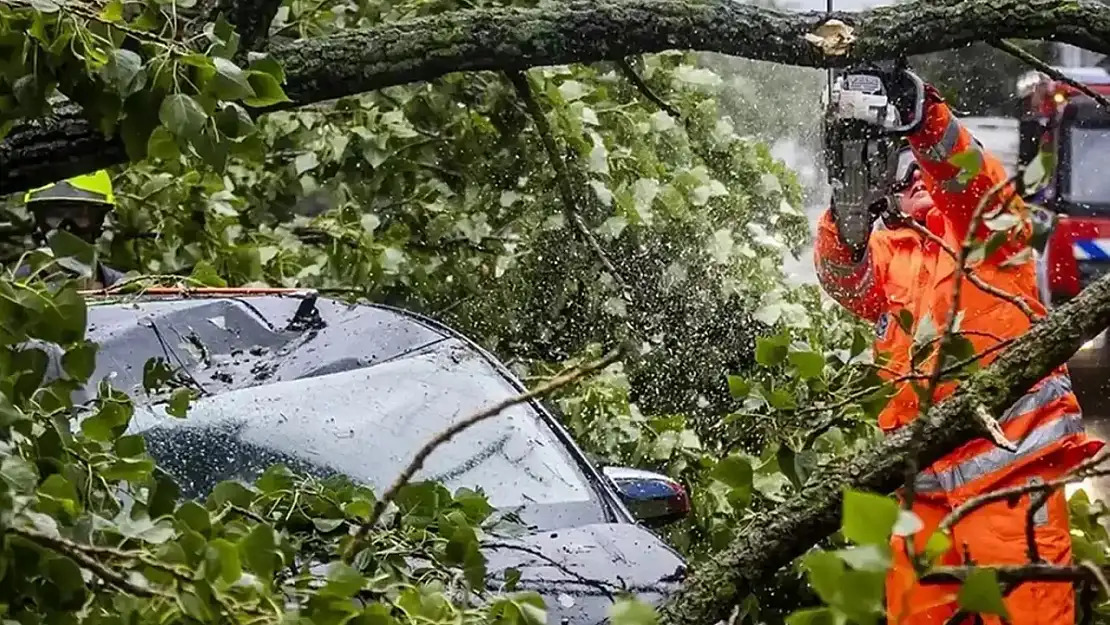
(1036, 502)
(443, 437)
(1014, 573)
(973, 277)
(860, 394)
(563, 178)
(80, 554)
(1098, 574)
(1085, 470)
(1045, 68)
(636, 79)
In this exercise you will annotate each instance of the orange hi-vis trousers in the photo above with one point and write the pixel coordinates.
(993, 534)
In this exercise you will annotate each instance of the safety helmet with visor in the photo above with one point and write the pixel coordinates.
(78, 205)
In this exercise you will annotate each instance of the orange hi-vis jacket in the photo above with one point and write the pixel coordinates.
(902, 270)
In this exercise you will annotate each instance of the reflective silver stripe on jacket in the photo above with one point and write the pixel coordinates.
(943, 150)
(998, 458)
(1050, 390)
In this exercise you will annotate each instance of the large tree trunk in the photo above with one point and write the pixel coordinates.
(585, 31)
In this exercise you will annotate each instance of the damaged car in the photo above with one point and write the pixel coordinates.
(330, 388)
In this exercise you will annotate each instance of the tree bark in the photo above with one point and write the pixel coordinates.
(814, 514)
(582, 31)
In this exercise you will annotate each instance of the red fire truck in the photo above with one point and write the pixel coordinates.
(1075, 130)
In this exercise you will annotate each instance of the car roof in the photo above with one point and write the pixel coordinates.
(228, 342)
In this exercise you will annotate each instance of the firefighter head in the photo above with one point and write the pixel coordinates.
(910, 186)
(78, 205)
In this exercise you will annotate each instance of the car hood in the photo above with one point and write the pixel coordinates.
(580, 571)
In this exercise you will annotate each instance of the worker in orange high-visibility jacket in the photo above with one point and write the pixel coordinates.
(878, 274)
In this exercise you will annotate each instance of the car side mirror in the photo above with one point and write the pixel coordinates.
(654, 499)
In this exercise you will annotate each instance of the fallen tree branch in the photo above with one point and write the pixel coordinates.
(814, 513)
(1016, 573)
(1048, 70)
(457, 428)
(513, 39)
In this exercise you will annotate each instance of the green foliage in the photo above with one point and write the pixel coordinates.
(438, 197)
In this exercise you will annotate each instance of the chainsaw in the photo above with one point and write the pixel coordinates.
(856, 145)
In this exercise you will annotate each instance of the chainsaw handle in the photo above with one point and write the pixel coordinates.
(918, 107)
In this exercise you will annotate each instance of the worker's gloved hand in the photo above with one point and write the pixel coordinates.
(861, 173)
(857, 201)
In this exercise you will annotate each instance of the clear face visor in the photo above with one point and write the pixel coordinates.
(907, 165)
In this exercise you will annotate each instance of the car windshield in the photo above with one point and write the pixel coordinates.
(368, 423)
(1089, 181)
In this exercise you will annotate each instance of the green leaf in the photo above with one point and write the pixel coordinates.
(178, 405)
(232, 492)
(259, 550)
(981, 594)
(156, 373)
(970, 162)
(937, 545)
(874, 558)
(222, 561)
(128, 470)
(207, 275)
(182, 115)
(124, 72)
(926, 330)
(825, 570)
(230, 81)
(45, 6)
(738, 387)
(266, 64)
(326, 525)
(108, 423)
(632, 611)
(781, 399)
(809, 364)
(734, 472)
(79, 361)
(522, 608)
(194, 516)
(19, 474)
(868, 518)
(165, 496)
(67, 579)
(905, 320)
(267, 90)
(770, 351)
(305, 162)
(112, 12)
(814, 616)
(162, 145)
(61, 492)
(73, 253)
